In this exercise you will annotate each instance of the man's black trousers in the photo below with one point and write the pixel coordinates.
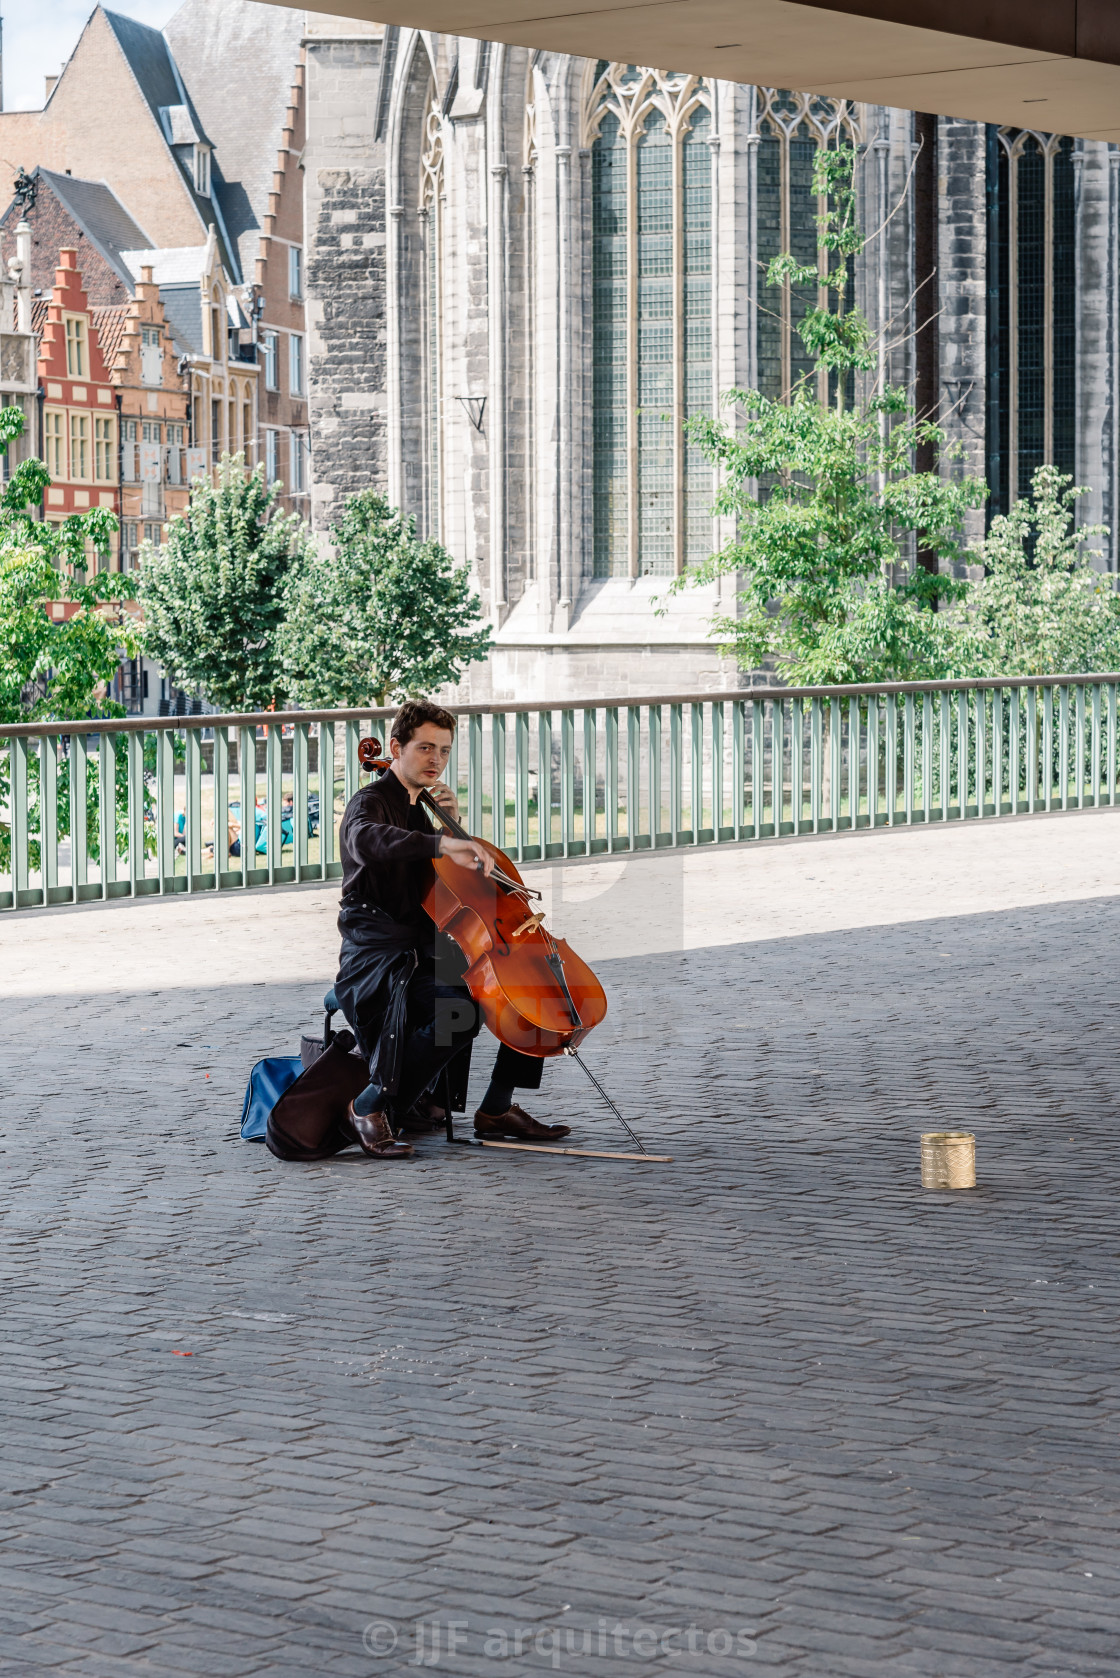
(441, 1023)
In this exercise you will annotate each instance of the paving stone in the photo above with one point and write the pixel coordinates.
(774, 1384)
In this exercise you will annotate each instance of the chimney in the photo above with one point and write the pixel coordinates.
(21, 272)
(51, 84)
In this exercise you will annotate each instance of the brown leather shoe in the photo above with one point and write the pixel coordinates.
(375, 1135)
(518, 1125)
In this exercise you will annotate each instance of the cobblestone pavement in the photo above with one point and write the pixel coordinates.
(770, 1408)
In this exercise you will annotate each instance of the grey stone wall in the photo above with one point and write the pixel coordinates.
(346, 280)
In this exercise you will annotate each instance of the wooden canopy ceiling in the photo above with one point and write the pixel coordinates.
(1046, 64)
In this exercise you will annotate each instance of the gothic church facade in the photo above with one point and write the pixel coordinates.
(527, 271)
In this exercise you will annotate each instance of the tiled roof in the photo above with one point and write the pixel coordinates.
(157, 75)
(110, 321)
(239, 61)
(177, 265)
(101, 216)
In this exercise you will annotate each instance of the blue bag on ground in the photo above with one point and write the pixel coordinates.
(267, 1082)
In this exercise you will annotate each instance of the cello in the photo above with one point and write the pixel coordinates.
(534, 992)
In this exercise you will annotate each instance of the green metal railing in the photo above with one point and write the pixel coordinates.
(543, 781)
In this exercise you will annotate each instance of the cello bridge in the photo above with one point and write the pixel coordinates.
(530, 925)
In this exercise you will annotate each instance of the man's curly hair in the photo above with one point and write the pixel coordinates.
(413, 714)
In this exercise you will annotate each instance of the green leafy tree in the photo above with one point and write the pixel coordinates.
(55, 669)
(824, 496)
(1042, 607)
(383, 616)
(213, 595)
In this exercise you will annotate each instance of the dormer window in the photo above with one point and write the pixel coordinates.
(202, 170)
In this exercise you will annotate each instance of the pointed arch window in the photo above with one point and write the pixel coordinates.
(791, 126)
(1032, 327)
(651, 205)
(431, 216)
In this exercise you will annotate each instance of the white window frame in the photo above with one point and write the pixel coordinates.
(295, 271)
(202, 170)
(295, 364)
(270, 343)
(271, 455)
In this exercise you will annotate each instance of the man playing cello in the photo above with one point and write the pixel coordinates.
(400, 981)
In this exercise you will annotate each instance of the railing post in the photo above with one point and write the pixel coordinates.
(1079, 742)
(221, 805)
(1095, 750)
(962, 754)
(521, 782)
(797, 763)
(777, 761)
(48, 813)
(980, 704)
(890, 757)
(300, 780)
(106, 810)
(758, 764)
(165, 809)
(567, 780)
(1112, 742)
(247, 781)
(816, 764)
(835, 762)
(717, 769)
(273, 780)
(544, 780)
(997, 751)
(633, 775)
(909, 743)
(873, 760)
(945, 757)
(696, 749)
(193, 793)
(654, 775)
(327, 850)
(610, 777)
(854, 735)
(351, 771)
(79, 825)
(927, 757)
(590, 777)
(1014, 758)
(676, 753)
(474, 773)
(17, 763)
(1063, 745)
(498, 779)
(134, 748)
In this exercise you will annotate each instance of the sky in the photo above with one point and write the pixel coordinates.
(40, 35)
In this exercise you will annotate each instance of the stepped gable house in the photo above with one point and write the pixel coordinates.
(137, 346)
(79, 408)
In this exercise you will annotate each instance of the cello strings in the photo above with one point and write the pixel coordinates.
(575, 1055)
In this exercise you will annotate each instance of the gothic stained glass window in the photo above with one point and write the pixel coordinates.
(1031, 310)
(791, 127)
(653, 366)
(699, 369)
(609, 350)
